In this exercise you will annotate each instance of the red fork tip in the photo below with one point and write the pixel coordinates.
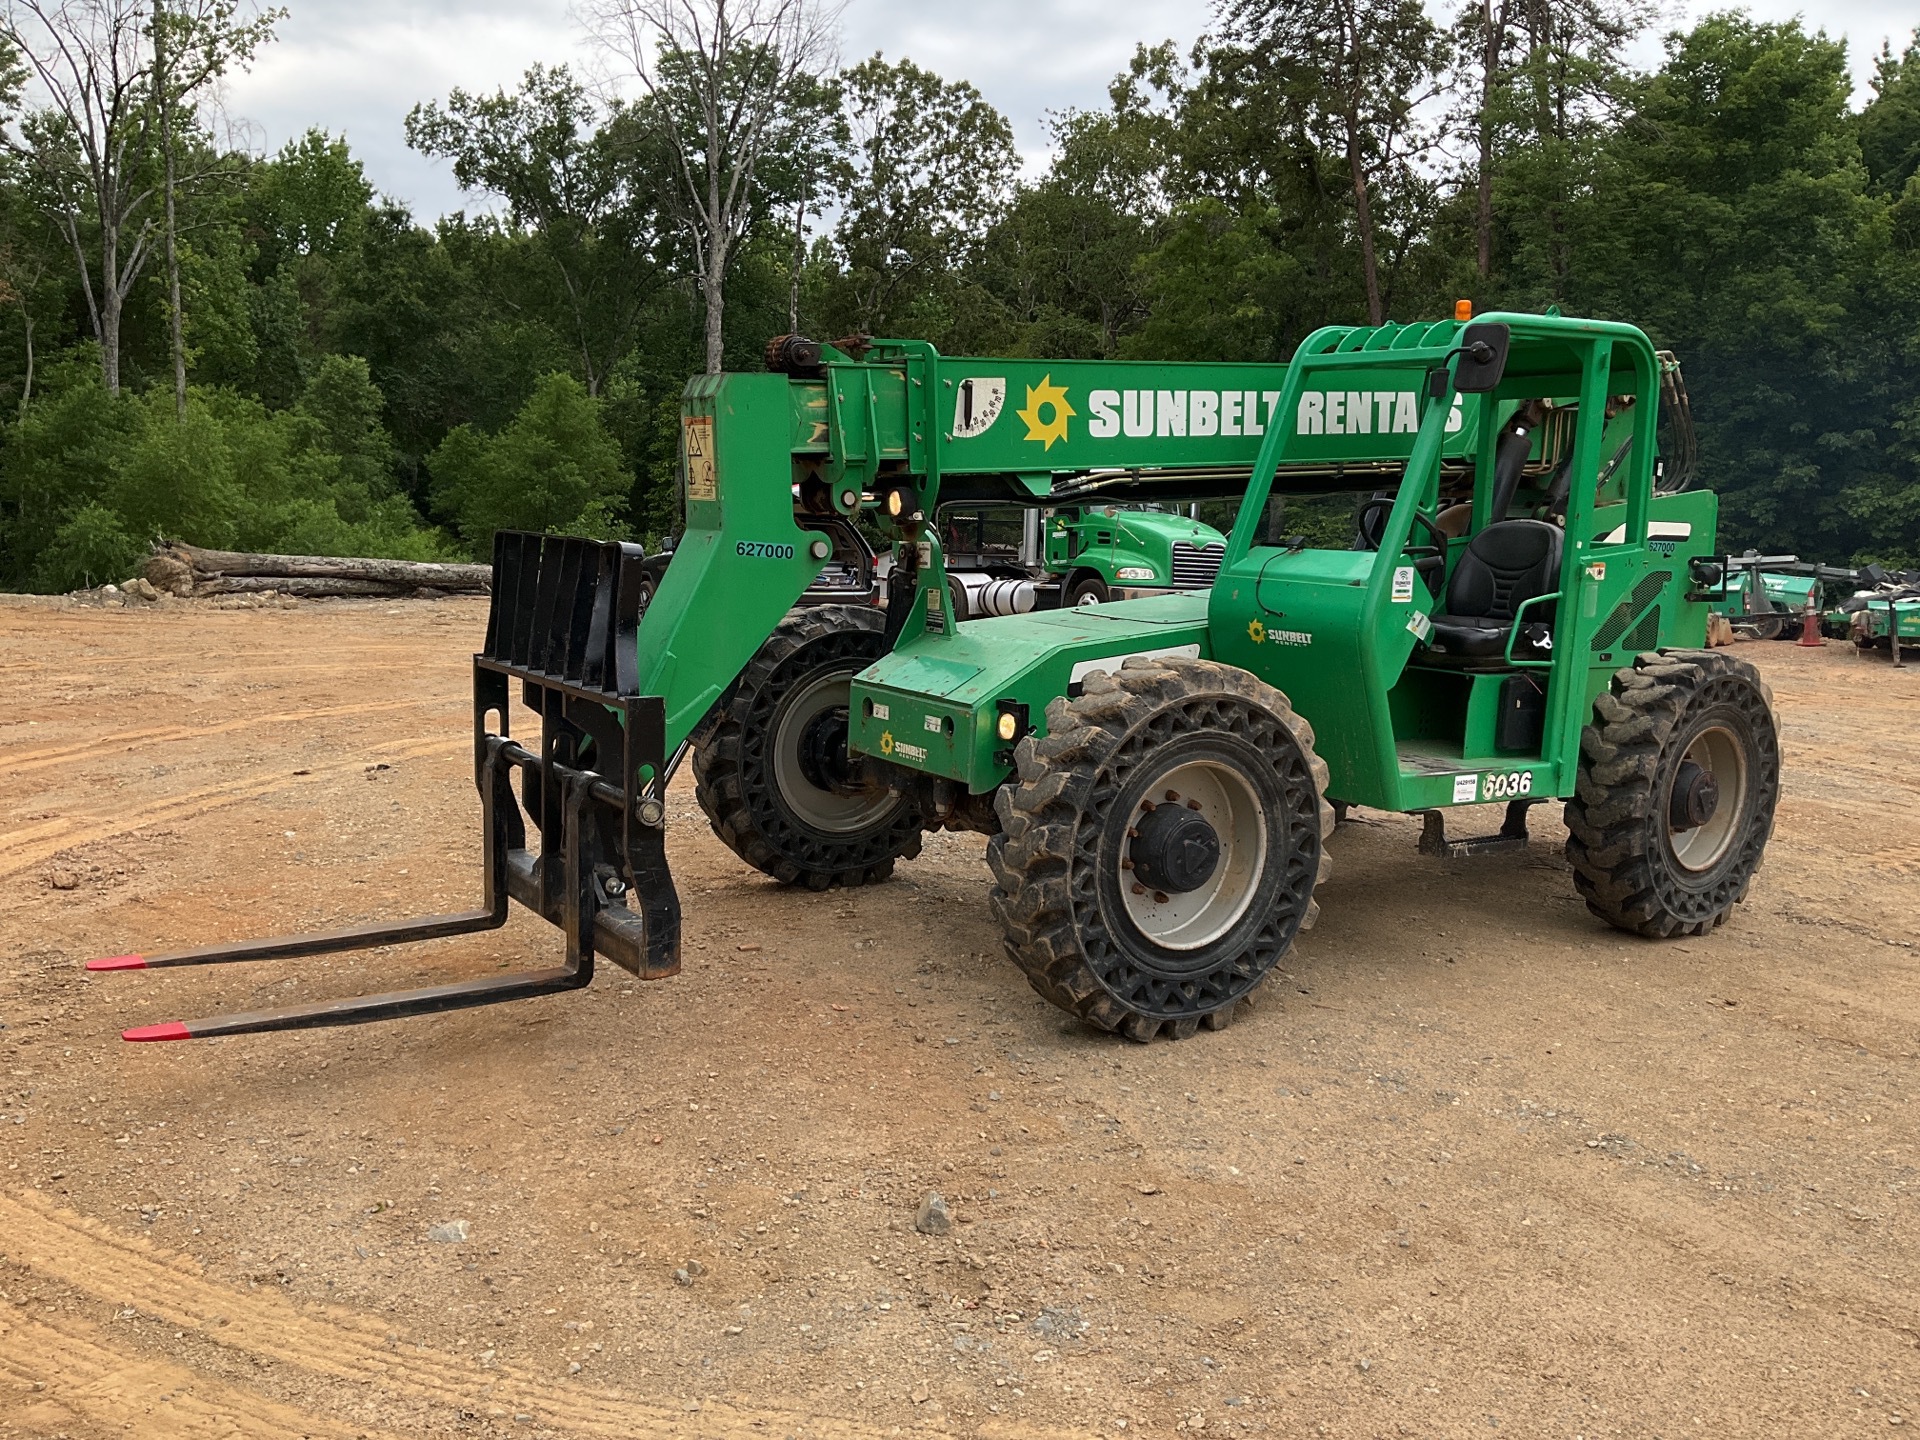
(119, 962)
(172, 1030)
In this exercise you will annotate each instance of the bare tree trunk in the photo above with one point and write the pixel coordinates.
(1493, 43)
(110, 302)
(799, 258)
(26, 388)
(99, 65)
(1363, 210)
(713, 276)
(713, 294)
(780, 39)
(176, 329)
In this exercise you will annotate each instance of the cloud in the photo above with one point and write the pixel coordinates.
(355, 68)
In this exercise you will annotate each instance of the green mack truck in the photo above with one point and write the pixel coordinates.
(1517, 622)
(1008, 560)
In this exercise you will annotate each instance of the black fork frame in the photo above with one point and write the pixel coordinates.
(563, 624)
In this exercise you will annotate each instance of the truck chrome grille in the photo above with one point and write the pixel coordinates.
(1194, 566)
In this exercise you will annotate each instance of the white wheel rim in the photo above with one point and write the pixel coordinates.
(1717, 751)
(825, 811)
(1227, 801)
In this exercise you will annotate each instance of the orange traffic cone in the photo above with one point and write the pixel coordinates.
(1810, 627)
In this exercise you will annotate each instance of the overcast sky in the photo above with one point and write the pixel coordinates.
(357, 66)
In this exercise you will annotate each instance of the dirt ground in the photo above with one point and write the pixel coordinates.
(1476, 1165)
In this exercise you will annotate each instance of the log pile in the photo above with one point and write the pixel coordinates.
(178, 568)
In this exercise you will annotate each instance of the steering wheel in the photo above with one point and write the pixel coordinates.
(1429, 560)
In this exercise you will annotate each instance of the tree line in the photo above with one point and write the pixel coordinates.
(265, 353)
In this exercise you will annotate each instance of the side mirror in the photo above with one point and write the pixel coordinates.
(1483, 358)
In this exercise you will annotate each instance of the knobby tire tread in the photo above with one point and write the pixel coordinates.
(733, 778)
(1050, 816)
(1616, 838)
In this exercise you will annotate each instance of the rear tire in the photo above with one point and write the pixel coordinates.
(1643, 859)
(1771, 623)
(1069, 865)
(772, 748)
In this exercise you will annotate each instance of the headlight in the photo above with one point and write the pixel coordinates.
(1009, 726)
(1134, 572)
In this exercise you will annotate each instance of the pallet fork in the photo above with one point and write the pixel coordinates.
(562, 622)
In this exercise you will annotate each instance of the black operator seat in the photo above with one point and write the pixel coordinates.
(1508, 563)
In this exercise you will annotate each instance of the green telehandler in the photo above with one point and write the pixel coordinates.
(1518, 621)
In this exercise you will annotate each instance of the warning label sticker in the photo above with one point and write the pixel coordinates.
(703, 480)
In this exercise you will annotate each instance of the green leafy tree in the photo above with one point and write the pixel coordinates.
(1066, 259)
(1349, 79)
(195, 43)
(88, 142)
(585, 193)
(1539, 84)
(1734, 221)
(554, 468)
(727, 82)
(932, 171)
(1890, 125)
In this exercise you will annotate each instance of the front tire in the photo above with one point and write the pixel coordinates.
(1160, 846)
(1089, 589)
(1679, 777)
(771, 766)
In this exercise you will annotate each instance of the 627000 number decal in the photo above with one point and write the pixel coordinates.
(763, 550)
(1510, 786)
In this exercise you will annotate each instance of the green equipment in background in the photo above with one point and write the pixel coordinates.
(1008, 560)
(1882, 613)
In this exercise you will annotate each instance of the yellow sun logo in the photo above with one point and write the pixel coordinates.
(1256, 632)
(1046, 396)
(886, 742)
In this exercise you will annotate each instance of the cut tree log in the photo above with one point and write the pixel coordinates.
(387, 575)
(311, 586)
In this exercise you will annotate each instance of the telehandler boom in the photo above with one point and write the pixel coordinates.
(1518, 622)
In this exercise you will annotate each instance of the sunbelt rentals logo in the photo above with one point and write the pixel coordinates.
(1046, 411)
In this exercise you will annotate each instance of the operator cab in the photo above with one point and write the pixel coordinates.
(1502, 569)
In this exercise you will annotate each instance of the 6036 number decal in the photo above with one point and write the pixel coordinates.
(763, 550)
(1509, 786)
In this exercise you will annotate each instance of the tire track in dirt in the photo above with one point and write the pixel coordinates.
(89, 827)
(130, 739)
(62, 1368)
(343, 1345)
(1700, 1249)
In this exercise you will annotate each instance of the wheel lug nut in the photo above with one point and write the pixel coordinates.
(1137, 888)
(1172, 796)
(1126, 864)
(1193, 804)
(1159, 898)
